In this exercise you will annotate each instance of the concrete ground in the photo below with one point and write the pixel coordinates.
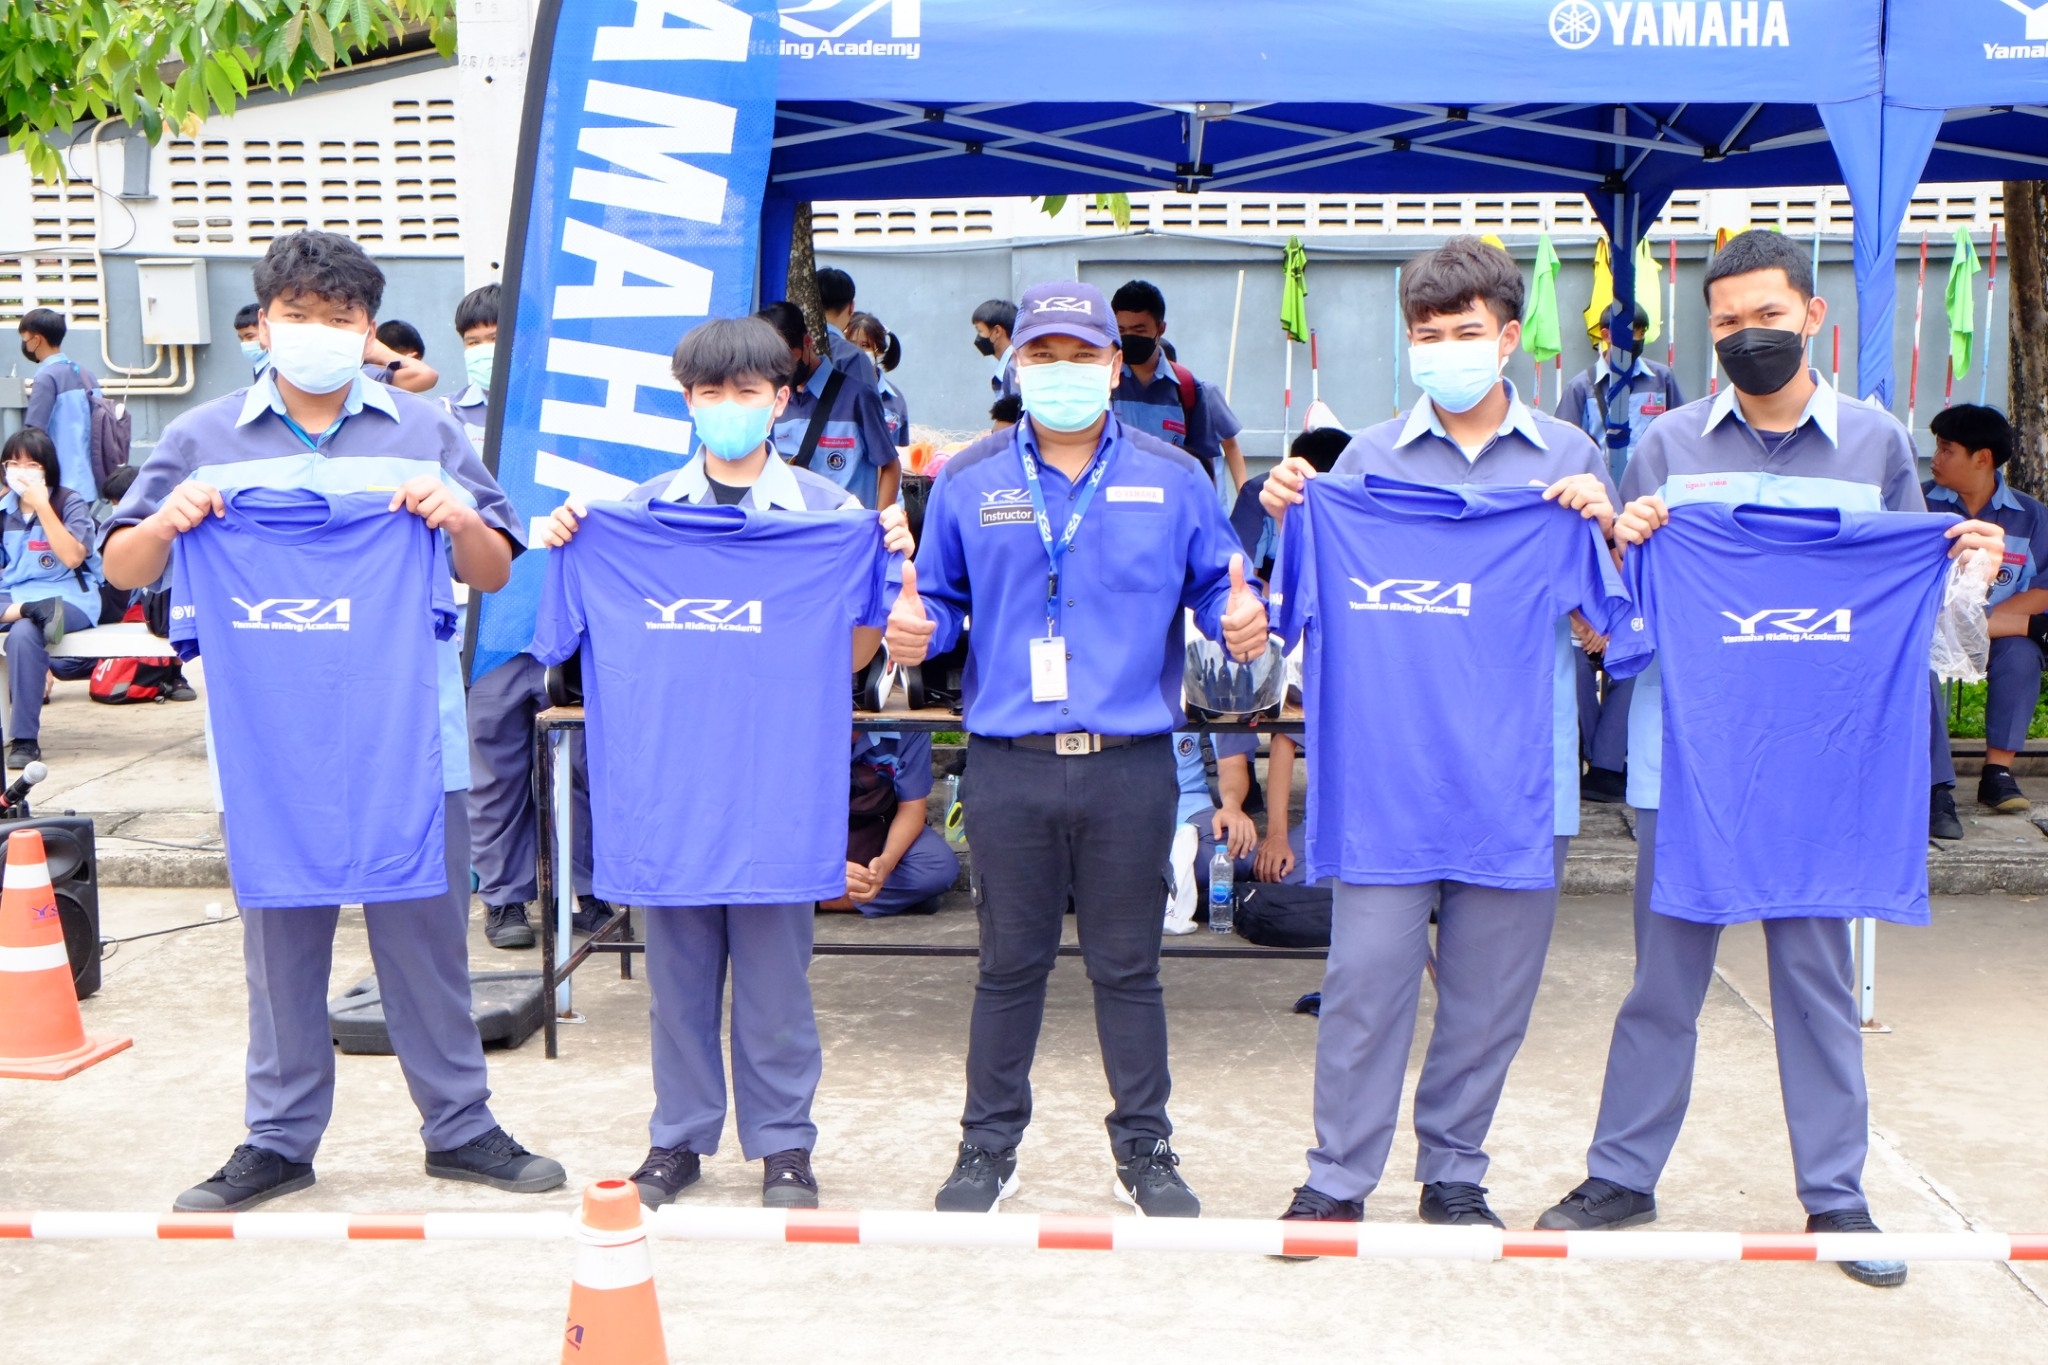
(1960, 1096)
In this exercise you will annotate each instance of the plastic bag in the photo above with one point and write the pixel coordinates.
(1962, 630)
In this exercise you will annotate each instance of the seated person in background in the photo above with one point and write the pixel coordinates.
(1280, 857)
(1261, 538)
(1006, 411)
(50, 584)
(1201, 821)
(896, 863)
(1971, 446)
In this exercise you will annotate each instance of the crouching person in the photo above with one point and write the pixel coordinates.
(896, 863)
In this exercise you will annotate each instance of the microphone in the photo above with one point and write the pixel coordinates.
(18, 790)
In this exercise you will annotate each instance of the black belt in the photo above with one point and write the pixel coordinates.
(1068, 743)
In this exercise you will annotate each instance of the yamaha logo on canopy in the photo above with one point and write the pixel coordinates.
(2036, 45)
(1579, 24)
(852, 28)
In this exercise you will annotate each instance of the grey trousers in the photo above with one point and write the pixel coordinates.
(421, 952)
(2015, 690)
(1603, 721)
(776, 1058)
(503, 820)
(1046, 829)
(1490, 947)
(1656, 1037)
(28, 659)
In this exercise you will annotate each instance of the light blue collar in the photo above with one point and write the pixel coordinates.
(2001, 496)
(363, 392)
(1823, 409)
(1422, 418)
(816, 383)
(471, 396)
(776, 488)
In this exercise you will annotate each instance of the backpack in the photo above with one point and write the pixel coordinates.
(127, 682)
(1276, 915)
(1185, 378)
(110, 427)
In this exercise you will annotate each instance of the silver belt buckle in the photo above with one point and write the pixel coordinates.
(1073, 743)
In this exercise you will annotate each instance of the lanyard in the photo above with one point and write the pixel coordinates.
(1056, 550)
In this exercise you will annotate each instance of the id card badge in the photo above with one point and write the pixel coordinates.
(1049, 668)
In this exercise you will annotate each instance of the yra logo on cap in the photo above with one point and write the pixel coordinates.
(1062, 303)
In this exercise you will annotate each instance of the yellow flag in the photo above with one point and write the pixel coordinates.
(1648, 291)
(1493, 239)
(1603, 291)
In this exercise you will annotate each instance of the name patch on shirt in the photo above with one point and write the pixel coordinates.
(1010, 507)
(836, 442)
(1130, 493)
(1173, 427)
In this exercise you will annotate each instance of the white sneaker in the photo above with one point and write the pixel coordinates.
(1180, 906)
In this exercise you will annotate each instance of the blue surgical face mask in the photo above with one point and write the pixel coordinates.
(1063, 394)
(1457, 375)
(732, 430)
(316, 358)
(253, 349)
(477, 362)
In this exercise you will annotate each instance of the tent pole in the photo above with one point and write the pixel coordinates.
(1919, 313)
(1287, 397)
(1230, 371)
(1400, 336)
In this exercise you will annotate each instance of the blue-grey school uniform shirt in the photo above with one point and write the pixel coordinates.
(2025, 522)
(385, 438)
(856, 443)
(1153, 542)
(1155, 408)
(1528, 448)
(33, 573)
(1842, 453)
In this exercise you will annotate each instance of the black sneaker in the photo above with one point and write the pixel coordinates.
(666, 1173)
(1459, 1203)
(590, 915)
(506, 927)
(1311, 1205)
(252, 1175)
(23, 752)
(787, 1182)
(1997, 789)
(181, 691)
(1599, 1206)
(1605, 786)
(981, 1180)
(1880, 1274)
(1942, 822)
(496, 1160)
(1149, 1181)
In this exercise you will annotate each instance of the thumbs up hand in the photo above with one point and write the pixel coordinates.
(1244, 617)
(910, 630)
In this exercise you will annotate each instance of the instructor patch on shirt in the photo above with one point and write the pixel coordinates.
(1127, 493)
(1007, 507)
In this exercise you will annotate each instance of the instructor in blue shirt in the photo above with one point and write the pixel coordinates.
(1777, 436)
(1076, 544)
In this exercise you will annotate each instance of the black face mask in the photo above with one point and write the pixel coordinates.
(1138, 350)
(985, 345)
(27, 352)
(804, 371)
(1761, 360)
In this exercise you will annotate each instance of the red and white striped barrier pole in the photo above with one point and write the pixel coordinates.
(1050, 1232)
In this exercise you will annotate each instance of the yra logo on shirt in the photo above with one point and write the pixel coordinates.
(1577, 24)
(292, 614)
(1007, 507)
(834, 19)
(1788, 624)
(1425, 596)
(706, 613)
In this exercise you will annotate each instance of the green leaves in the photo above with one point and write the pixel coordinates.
(159, 62)
(1117, 205)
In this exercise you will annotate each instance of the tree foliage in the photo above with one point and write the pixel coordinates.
(1116, 204)
(170, 63)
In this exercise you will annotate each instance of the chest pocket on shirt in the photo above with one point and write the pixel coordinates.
(1135, 544)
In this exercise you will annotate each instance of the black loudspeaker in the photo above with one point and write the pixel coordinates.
(75, 875)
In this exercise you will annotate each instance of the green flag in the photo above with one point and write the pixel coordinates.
(1962, 301)
(1542, 335)
(1294, 300)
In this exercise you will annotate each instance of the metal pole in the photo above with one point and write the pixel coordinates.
(1866, 976)
(1287, 397)
(1919, 313)
(565, 879)
(1990, 312)
(1230, 371)
(1400, 339)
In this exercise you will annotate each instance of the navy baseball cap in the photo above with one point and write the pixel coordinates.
(1065, 308)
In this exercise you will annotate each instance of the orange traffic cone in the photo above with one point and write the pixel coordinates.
(614, 1318)
(41, 1036)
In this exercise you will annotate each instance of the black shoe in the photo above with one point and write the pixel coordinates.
(787, 1182)
(252, 1175)
(1605, 786)
(1599, 1205)
(1458, 1203)
(496, 1160)
(181, 691)
(1942, 822)
(981, 1180)
(1880, 1274)
(1997, 789)
(1149, 1181)
(506, 927)
(23, 752)
(591, 915)
(666, 1173)
(1311, 1205)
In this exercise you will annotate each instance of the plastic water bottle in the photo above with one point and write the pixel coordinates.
(1222, 891)
(954, 823)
